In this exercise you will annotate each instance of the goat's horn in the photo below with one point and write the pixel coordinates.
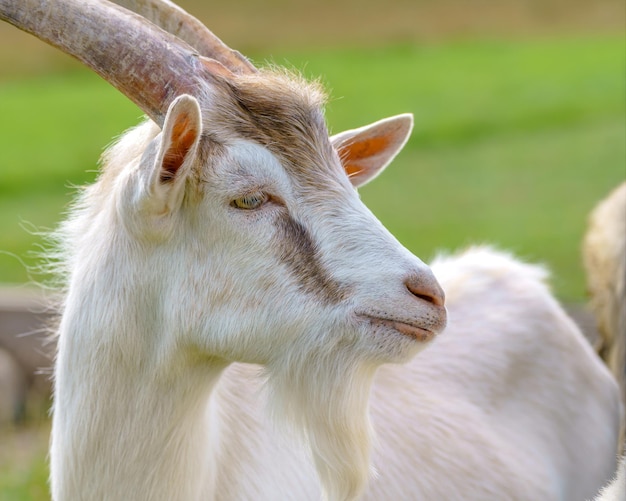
(180, 23)
(148, 65)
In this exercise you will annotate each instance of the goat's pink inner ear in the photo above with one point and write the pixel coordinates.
(184, 134)
(356, 154)
(366, 151)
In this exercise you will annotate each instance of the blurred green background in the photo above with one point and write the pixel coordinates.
(520, 128)
(519, 110)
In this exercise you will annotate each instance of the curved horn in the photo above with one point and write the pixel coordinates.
(180, 23)
(148, 65)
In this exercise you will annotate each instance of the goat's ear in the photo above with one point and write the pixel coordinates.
(178, 148)
(366, 151)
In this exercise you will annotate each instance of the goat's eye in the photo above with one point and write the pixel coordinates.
(250, 201)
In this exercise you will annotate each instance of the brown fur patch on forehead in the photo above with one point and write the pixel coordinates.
(284, 113)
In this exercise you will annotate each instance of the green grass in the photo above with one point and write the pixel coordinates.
(28, 483)
(23, 464)
(514, 143)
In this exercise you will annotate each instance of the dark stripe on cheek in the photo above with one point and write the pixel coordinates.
(299, 253)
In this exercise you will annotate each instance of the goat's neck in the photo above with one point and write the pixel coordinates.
(131, 416)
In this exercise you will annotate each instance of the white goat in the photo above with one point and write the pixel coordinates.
(231, 234)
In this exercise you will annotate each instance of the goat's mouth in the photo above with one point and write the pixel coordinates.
(411, 330)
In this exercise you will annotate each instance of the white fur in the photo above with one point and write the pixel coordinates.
(616, 490)
(166, 292)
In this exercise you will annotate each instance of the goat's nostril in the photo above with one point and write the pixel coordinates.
(428, 299)
(426, 289)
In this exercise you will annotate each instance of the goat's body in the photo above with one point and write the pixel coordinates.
(510, 402)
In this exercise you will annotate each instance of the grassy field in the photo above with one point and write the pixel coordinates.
(514, 142)
(23, 466)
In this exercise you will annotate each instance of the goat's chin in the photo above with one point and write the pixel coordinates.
(394, 347)
(386, 341)
(324, 399)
